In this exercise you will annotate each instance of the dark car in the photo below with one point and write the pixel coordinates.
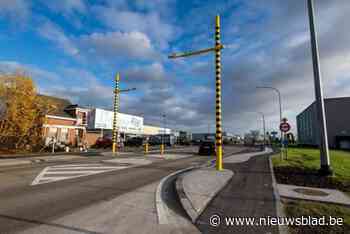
(207, 148)
(106, 142)
(134, 141)
(103, 142)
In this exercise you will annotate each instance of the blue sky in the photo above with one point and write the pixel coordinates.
(73, 48)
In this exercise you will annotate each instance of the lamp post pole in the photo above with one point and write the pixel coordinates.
(217, 49)
(280, 110)
(264, 127)
(218, 95)
(163, 135)
(115, 130)
(115, 115)
(321, 116)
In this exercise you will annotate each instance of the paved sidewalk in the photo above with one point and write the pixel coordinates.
(168, 156)
(198, 187)
(248, 194)
(313, 194)
(26, 161)
(14, 162)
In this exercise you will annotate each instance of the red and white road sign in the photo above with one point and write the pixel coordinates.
(284, 127)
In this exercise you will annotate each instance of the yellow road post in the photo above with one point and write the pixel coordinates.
(217, 49)
(115, 115)
(146, 148)
(218, 94)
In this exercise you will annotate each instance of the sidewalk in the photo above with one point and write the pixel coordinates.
(313, 194)
(249, 193)
(38, 159)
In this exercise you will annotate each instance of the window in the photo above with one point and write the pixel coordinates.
(64, 135)
(52, 132)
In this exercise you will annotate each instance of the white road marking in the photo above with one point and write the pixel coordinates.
(70, 171)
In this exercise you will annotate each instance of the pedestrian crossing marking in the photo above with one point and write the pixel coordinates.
(64, 172)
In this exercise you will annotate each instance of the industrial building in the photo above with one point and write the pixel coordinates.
(337, 122)
(75, 125)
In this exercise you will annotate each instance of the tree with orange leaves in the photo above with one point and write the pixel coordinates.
(22, 113)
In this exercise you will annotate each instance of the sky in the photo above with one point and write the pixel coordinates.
(73, 49)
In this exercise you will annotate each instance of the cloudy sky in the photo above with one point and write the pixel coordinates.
(73, 48)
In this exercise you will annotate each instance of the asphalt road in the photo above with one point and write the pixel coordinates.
(23, 206)
(248, 194)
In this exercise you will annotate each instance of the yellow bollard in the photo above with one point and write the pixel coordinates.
(146, 148)
(161, 149)
(114, 148)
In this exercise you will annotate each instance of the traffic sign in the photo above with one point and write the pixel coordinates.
(284, 127)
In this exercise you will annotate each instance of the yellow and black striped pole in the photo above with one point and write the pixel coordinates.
(115, 115)
(218, 48)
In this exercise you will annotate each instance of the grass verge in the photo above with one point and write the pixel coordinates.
(314, 209)
(301, 168)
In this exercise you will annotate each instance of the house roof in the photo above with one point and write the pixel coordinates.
(59, 105)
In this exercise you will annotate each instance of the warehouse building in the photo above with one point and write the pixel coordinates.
(337, 120)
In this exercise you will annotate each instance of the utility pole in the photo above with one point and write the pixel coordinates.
(217, 49)
(115, 131)
(321, 116)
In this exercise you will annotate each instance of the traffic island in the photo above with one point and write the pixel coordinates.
(198, 187)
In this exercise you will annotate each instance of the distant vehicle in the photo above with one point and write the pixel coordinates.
(134, 141)
(166, 139)
(154, 140)
(106, 142)
(207, 148)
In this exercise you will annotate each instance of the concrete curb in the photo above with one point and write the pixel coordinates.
(161, 207)
(186, 202)
(277, 198)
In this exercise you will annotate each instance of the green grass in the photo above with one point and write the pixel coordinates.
(309, 159)
(314, 209)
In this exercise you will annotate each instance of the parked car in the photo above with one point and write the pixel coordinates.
(103, 142)
(106, 142)
(134, 141)
(207, 148)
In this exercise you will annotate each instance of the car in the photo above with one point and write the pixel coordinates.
(134, 141)
(207, 148)
(106, 142)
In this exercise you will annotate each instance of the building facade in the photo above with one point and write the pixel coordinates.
(66, 126)
(337, 122)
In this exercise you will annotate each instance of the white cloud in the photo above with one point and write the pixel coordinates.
(16, 10)
(9, 67)
(149, 73)
(55, 34)
(118, 44)
(66, 6)
(148, 23)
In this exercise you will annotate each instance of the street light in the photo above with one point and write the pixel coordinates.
(264, 126)
(321, 116)
(280, 107)
(217, 50)
(115, 131)
(163, 135)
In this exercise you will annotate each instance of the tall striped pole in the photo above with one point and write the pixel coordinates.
(115, 115)
(218, 48)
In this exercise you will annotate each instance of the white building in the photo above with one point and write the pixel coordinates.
(103, 119)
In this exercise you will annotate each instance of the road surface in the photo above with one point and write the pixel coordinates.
(115, 198)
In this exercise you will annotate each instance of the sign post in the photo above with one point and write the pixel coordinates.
(285, 127)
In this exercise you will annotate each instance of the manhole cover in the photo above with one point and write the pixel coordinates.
(311, 192)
